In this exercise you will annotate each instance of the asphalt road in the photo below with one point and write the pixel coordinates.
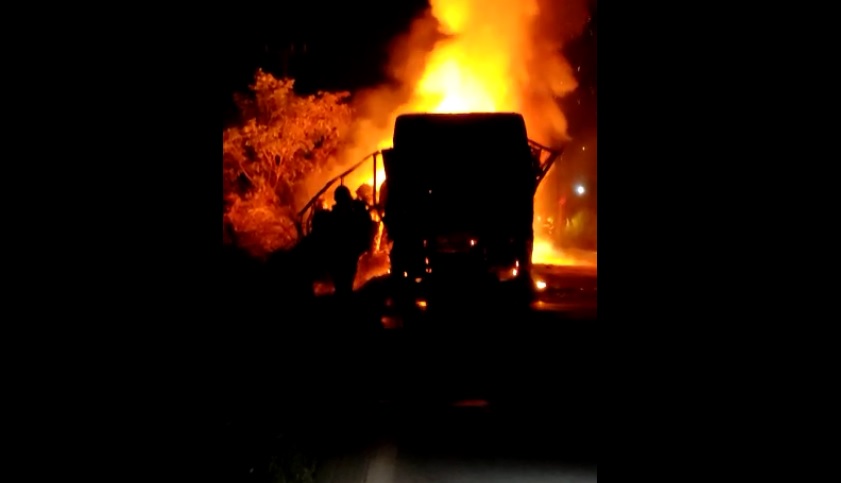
(561, 293)
(512, 402)
(474, 443)
(388, 463)
(566, 291)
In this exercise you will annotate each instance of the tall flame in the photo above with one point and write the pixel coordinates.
(480, 66)
(490, 61)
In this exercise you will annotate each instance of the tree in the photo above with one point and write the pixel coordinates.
(283, 138)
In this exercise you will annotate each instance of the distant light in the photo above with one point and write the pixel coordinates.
(540, 284)
(472, 243)
(583, 148)
(514, 272)
(579, 189)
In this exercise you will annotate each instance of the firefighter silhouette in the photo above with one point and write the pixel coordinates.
(365, 193)
(320, 239)
(350, 230)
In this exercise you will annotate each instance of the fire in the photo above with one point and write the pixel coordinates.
(544, 252)
(479, 67)
(483, 66)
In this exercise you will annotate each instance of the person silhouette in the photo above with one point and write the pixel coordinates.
(350, 238)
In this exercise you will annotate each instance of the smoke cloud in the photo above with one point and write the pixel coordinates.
(475, 55)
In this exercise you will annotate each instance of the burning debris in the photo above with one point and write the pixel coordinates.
(490, 57)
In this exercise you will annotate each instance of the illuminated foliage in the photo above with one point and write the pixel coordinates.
(283, 138)
(260, 223)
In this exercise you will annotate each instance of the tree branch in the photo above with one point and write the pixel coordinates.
(242, 169)
(276, 172)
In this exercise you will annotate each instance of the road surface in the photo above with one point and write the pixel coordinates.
(569, 291)
(391, 462)
(561, 293)
(439, 406)
(467, 441)
(387, 464)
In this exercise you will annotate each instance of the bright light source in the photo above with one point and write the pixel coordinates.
(472, 243)
(540, 284)
(514, 272)
(579, 189)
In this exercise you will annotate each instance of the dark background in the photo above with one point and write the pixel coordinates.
(115, 242)
(342, 46)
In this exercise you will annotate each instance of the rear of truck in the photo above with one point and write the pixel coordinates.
(460, 203)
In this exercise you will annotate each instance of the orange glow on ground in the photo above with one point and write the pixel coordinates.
(544, 252)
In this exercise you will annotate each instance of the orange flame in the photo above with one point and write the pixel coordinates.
(487, 64)
(479, 68)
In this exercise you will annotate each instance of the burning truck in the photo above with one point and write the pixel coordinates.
(457, 203)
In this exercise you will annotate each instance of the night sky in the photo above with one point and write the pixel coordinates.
(343, 49)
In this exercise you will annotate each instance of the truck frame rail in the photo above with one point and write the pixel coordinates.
(543, 158)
